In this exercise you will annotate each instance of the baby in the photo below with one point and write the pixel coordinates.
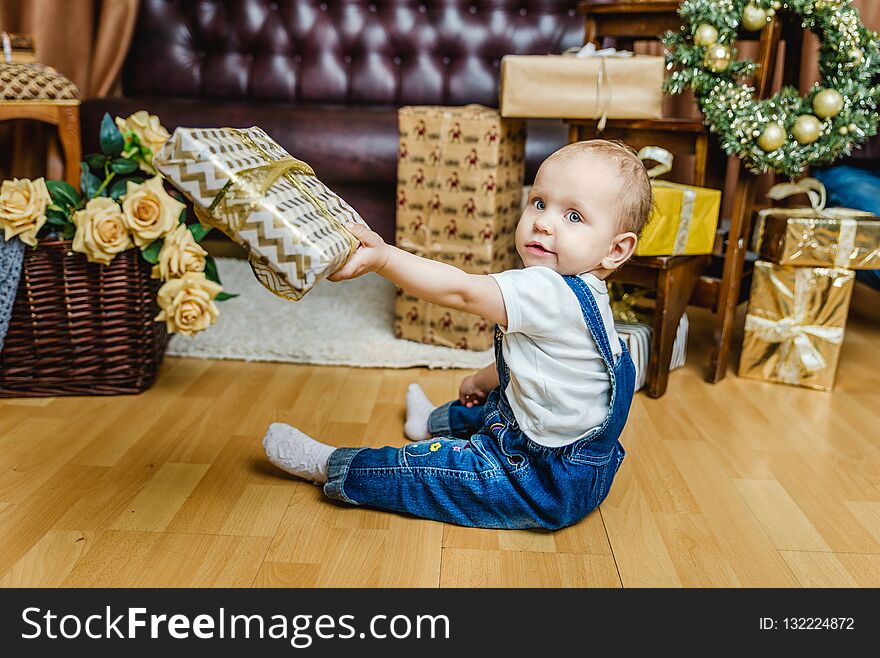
(532, 441)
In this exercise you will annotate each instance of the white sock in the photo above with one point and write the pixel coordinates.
(418, 408)
(297, 453)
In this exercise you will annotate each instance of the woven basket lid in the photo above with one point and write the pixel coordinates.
(34, 82)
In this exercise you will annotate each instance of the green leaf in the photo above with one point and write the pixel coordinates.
(68, 231)
(223, 296)
(151, 253)
(89, 182)
(57, 217)
(118, 188)
(123, 165)
(111, 139)
(182, 218)
(63, 193)
(211, 270)
(198, 231)
(96, 161)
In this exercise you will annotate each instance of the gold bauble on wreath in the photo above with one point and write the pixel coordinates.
(856, 56)
(717, 57)
(705, 35)
(806, 129)
(772, 138)
(827, 103)
(754, 18)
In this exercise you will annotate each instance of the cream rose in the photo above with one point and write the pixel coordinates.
(149, 131)
(187, 303)
(180, 253)
(150, 212)
(23, 208)
(100, 231)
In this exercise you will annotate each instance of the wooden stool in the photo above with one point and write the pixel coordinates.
(29, 90)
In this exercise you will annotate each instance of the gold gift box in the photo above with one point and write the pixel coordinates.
(683, 221)
(568, 87)
(832, 237)
(244, 184)
(459, 198)
(795, 324)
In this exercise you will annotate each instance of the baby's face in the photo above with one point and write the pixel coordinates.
(569, 223)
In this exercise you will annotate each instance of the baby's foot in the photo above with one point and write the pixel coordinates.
(418, 408)
(297, 453)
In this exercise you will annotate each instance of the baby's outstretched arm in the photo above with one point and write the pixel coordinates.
(427, 279)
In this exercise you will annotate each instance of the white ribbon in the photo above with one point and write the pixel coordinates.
(818, 197)
(603, 81)
(794, 334)
(7, 47)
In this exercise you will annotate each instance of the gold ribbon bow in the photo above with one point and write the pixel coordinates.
(664, 159)
(242, 195)
(818, 197)
(798, 354)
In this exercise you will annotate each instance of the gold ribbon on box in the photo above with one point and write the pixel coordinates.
(816, 193)
(664, 160)
(244, 192)
(793, 355)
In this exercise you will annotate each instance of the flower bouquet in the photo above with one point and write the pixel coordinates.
(114, 267)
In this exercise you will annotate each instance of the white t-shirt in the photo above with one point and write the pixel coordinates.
(559, 386)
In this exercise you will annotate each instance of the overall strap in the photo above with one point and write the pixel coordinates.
(592, 317)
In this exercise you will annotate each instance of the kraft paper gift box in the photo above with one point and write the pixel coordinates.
(816, 236)
(684, 218)
(607, 85)
(244, 184)
(795, 324)
(459, 198)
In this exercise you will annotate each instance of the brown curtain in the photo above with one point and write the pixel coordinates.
(86, 41)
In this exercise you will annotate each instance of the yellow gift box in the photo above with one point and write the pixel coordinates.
(684, 218)
(795, 324)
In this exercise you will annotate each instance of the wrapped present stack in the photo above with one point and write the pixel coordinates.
(801, 288)
(459, 195)
(633, 312)
(244, 184)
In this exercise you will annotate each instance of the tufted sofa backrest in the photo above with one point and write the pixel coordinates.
(357, 52)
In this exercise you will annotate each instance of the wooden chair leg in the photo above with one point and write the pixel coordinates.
(731, 278)
(674, 288)
(69, 133)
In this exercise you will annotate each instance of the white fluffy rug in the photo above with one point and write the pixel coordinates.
(348, 323)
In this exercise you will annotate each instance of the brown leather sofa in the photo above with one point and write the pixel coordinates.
(325, 78)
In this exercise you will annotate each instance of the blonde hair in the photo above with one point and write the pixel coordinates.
(636, 200)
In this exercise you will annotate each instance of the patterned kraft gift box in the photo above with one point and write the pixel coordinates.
(243, 183)
(568, 87)
(795, 324)
(459, 198)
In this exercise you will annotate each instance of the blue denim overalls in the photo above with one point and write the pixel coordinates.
(482, 470)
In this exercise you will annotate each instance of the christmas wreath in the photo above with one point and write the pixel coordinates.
(787, 132)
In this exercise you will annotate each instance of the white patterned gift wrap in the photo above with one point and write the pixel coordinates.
(243, 183)
(637, 337)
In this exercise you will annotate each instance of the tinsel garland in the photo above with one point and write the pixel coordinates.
(849, 59)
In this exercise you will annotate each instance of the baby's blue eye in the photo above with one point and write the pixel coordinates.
(539, 204)
(574, 216)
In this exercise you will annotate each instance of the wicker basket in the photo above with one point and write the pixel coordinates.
(81, 328)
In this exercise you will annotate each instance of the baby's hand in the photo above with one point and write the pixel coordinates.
(470, 393)
(370, 256)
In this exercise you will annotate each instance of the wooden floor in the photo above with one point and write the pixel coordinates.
(738, 484)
